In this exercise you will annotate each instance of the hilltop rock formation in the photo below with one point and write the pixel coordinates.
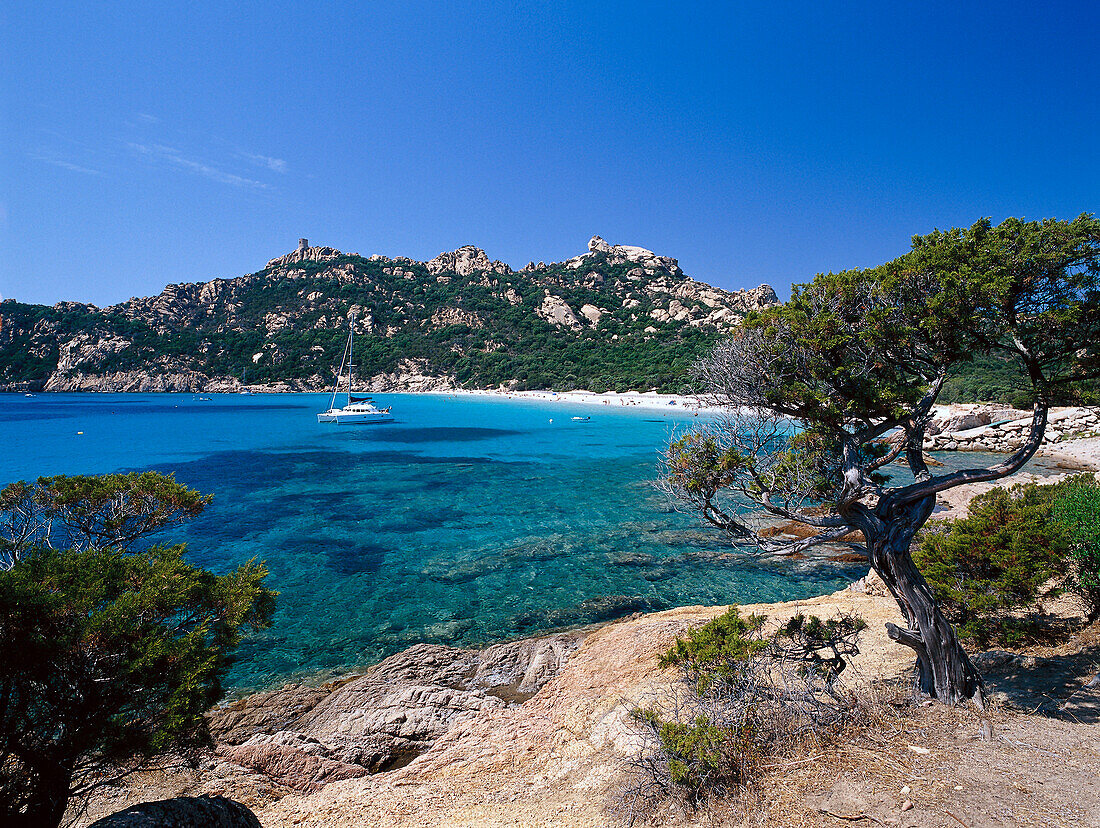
(458, 319)
(305, 253)
(464, 261)
(621, 254)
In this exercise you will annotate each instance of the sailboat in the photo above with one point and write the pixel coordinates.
(359, 410)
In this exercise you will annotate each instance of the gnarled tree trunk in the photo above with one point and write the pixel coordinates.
(944, 670)
(44, 805)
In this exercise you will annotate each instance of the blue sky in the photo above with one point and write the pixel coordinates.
(149, 143)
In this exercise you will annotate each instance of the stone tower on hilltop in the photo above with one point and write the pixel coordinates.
(306, 253)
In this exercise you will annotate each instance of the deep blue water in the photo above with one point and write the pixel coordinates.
(465, 521)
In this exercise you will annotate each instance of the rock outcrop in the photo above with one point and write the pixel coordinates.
(555, 311)
(563, 756)
(410, 375)
(305, 738)
(1000, 429)
(305, 253)
(183, 812)
(622, 253)
(464, 261)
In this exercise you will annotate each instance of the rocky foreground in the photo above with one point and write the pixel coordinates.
(538, 732)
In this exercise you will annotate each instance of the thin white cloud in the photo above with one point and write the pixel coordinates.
(175, 158)
(57, 161)
(274, 164)
(147, 118)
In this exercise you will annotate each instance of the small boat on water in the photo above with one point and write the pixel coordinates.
(581, 419)
(359, 410)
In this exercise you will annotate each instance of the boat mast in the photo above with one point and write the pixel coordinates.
(339, 373)
(351, 352)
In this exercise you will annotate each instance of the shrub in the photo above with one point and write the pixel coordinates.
(110, 656)
(119, 656)
(744, 696)
(987, 567)
(1076, 506)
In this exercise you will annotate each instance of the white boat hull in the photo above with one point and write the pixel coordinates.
(355, 416)
(361, 418)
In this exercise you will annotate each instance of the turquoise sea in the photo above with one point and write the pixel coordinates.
(467, 520)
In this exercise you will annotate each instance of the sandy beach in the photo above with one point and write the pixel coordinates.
(639, 399)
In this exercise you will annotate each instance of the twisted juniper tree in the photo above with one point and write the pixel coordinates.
(822, 396)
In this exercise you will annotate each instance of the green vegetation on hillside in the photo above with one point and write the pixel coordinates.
(501, 340)
(482, 329)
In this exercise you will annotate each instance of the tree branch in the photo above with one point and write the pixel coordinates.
(1015, 462)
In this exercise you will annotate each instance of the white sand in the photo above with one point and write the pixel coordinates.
(647, 399)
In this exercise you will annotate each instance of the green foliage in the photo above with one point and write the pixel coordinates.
(750, 694)
(701, 465)
(120, 655)
(1023, 298)
(91, 511)
(703, 758)
(820, 647)
(120, 652)
(718, 649)
(1075, 505)
(987, 567)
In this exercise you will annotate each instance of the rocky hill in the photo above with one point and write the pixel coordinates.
(614, 318)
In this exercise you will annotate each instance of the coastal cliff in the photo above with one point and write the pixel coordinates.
(616, 317)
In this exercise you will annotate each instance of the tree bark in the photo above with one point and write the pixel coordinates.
(45, 804)
(944, 670)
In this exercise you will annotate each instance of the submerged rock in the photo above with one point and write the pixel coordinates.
(589, 611)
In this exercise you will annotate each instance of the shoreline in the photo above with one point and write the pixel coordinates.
(1082, 453)
(531, 730)
(541, 734)
(613, 399)
(1079, 456)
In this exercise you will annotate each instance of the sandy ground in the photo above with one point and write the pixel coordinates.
(1085, 451)
(639, 399)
